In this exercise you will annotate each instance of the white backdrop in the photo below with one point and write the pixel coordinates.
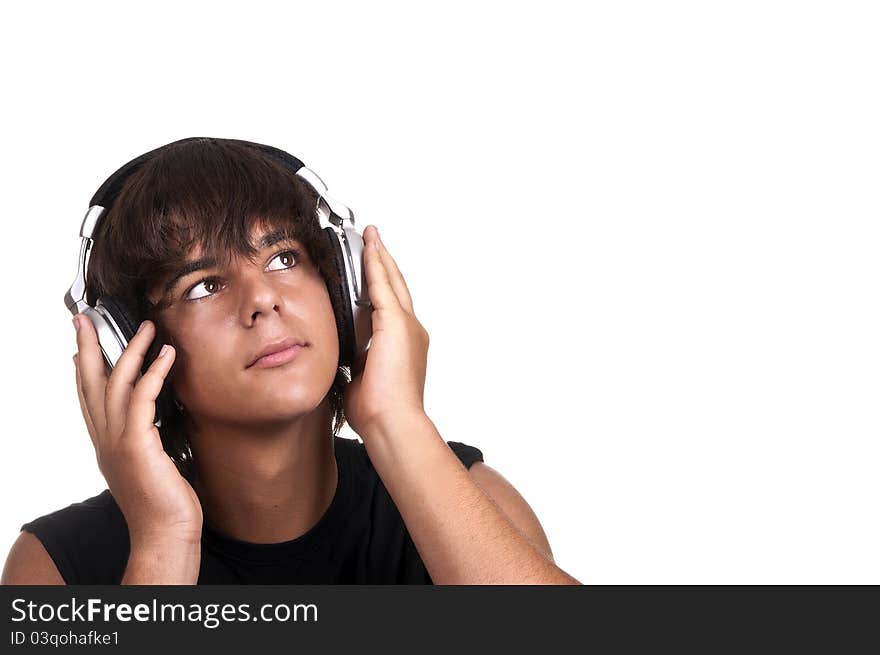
(642, 236)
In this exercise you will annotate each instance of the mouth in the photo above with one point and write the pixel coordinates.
(278, 353)
(279, 358)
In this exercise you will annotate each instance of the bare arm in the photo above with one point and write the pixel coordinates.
(171, 562)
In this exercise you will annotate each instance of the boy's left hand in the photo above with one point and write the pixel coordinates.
(392, 382)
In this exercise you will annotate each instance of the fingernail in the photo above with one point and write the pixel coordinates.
(141, 327)
(163, 350)
(76, 323)
(74, 360)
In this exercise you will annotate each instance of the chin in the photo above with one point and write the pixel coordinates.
(291, 401)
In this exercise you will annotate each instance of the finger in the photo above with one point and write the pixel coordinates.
(90, 426)
(92, 373)
(382, 294)
(125, 375)
(142, 404)
(395, 277)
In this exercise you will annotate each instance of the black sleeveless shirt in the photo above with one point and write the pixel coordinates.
(360, 539)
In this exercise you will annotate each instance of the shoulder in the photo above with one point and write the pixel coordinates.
(28, 563)
(512, 504)
(87, 541)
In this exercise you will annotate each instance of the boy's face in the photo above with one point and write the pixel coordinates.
(241, 310)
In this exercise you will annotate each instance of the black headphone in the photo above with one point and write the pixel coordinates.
(116, 320)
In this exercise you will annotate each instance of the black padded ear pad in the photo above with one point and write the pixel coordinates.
(341, 303)
(123, 313)
(129, 320)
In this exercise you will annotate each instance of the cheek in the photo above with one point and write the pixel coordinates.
(202, 366)
(203, 353)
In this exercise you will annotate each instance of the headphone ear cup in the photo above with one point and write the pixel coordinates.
(113, 326)
(341, 301)
(128, 320)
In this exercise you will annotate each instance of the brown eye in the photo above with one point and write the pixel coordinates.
(207, 282)
(289, 257)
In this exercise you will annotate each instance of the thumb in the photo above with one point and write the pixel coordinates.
(360, 363)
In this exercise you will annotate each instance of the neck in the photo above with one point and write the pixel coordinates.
(267, 484)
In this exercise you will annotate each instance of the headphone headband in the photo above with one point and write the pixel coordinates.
(111, 187)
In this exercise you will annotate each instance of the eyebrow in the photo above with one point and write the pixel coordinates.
(267, 240)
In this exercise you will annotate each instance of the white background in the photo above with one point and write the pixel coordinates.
(642, 236)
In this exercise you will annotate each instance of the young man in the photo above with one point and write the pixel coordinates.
(270, 493)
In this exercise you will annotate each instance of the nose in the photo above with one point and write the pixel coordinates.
(259, 296)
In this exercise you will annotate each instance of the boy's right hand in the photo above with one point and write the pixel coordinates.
(159, 505)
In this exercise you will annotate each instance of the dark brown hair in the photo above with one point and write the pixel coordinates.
(207, 192)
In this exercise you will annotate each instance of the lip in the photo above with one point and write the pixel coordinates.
(277, 353)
